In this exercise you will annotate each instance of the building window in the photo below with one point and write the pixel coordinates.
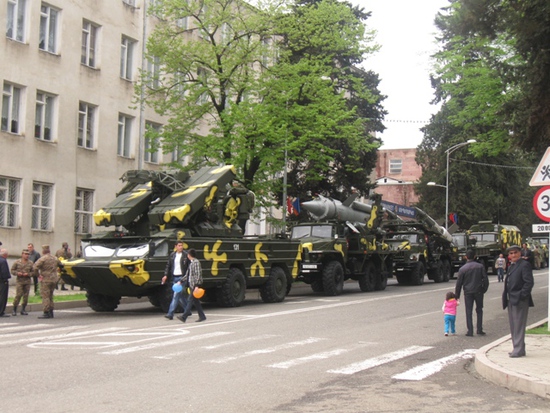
(16, 19)
(83, 211)
(42, 200)
(124, 136)
(44, 114)
(89, 43)
(9, 202)
(396, 166)
(49, 18)
(130, 2)
(86, 125)
(153, 73)
(11, 103)
(126, 58)
(183, 23)
(152, 144)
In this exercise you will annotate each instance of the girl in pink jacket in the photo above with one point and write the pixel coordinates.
(449, 311)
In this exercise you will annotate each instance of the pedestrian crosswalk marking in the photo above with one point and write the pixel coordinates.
(267, 350)
(426, 370)
(377, 361)
(245, 340)
(66, 336)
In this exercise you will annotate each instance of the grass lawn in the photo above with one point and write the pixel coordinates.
(543, 329)
(33, 299)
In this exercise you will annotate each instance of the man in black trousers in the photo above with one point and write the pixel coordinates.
(5, 276)
(518, 285)
(473, 278)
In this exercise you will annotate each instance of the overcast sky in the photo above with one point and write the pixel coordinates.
(406, 34)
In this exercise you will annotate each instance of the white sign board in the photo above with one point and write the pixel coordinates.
(541, 228)
(542, 174)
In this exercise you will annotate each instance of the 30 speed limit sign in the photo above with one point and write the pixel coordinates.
(541, 203)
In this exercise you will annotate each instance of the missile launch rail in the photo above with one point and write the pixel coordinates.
(204, 209)
(343, 241)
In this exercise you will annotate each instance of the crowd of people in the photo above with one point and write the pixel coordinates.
(33, 268)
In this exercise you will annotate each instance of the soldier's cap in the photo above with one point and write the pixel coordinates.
(45, 247)
(513, 248)
(25, 251)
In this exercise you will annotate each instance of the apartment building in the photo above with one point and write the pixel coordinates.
(70, 125)
(395, 174)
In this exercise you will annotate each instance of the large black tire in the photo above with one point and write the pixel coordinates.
(381, 281)
(447, 271)
(436, 273)
(102, 303)
(418, 273)
(333, 278)
(274, 290)
(404, 278)
(367, 280)
(317, 285)
(232, 291)
(163, 297)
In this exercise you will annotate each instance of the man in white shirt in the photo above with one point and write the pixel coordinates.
(175, 271)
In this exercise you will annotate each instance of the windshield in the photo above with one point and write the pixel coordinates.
(413, 238)
(487, 237)
(459, 241)
(322, 231)
(122, 251)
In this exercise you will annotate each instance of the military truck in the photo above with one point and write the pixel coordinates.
(541, 244)
(154, 210)
(342, 241)
(464, 242)
(495, 238)
(420, 247)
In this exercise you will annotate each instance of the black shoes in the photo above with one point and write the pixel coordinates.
(200, 320)
(182, 318)
(45, 315)
(469, 334)
(481, 333)
(169, 317)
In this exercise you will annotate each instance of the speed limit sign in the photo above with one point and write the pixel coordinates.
(541, 203)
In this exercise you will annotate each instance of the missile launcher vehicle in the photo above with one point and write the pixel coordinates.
(204, 209)
(343, 241)
(421, 247)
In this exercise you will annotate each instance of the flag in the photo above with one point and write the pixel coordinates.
(289, 205)
(453, 217)
(296, 206)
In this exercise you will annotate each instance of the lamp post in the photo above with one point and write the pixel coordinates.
(446, 186)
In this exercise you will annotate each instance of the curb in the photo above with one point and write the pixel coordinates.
(502, 376)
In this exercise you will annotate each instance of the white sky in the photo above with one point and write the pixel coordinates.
(406, 34)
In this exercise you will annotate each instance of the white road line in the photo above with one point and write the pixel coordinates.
(245, 340)
(17, 327)
(66, 336)
(377, 361)
(164, 343)
(267, 350)
(82, 344)
(426, 370)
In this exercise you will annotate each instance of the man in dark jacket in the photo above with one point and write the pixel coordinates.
(175, 271)
(517, 298)
(5, 276)
(473, 278)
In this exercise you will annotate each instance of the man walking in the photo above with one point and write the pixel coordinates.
(517, 298)
(22, 269)
(4, 281)
(195, 281)
(46, 267)
(175, 271)
(473, 278)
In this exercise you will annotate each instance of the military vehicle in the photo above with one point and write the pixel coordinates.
(420, 247)
(151, 212)
(344, 241)
(464, 242)
(493, 237)
(541, 245)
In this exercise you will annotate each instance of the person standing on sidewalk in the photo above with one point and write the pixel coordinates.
(46, 267)
(517, 298)
(195, 281)
(175, 271)
(473, 278)
(22, 269)
(33, 256)
(4, 281)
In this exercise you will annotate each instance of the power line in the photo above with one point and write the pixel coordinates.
(532, 168)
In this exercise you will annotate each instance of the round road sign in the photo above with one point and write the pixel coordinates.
(541, 203)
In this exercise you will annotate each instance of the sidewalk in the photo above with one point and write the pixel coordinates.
(529, 374)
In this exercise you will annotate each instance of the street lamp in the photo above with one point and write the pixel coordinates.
(448, 152)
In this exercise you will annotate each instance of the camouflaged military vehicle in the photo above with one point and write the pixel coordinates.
(151, 212)
(421, 247)
(342, 242)
(495, 238)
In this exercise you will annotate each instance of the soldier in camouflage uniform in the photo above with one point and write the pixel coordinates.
(22, 270)
(63, 253)
(47, 267)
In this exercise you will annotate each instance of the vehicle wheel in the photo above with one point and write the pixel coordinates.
(367, 280)
(102, 303)
(209, 295)
(274, 290)
(447, 271)
(232, 291)
(333, 278)
(317, 285)
(418, 273)
(436, 273)
(381, 281)
(163, 297)
(403, 278)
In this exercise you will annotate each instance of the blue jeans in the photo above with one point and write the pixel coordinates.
(500, 273)
(450, 323)
(180, 298)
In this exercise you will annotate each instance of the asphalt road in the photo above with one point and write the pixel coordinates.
(359, 352)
